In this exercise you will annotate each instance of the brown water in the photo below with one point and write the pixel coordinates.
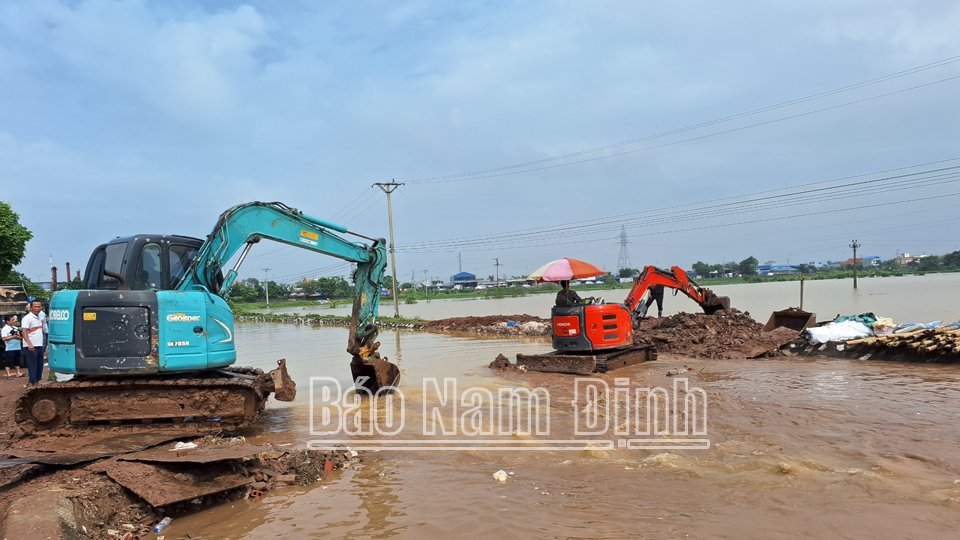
(905, 299)
(800, 449)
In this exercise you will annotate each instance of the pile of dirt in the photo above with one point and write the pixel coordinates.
(494, 324)
(728, 333)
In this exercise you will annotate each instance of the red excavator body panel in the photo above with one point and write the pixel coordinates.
(603, 326)
(608, 325)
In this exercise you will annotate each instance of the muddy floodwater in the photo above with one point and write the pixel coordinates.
(798, 449)
(906, 299)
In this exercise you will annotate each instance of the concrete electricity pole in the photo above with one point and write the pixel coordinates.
(266, 285)
(388, 188)
(854, 245)
(498, 265)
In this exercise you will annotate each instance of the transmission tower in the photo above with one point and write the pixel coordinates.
(624, 261)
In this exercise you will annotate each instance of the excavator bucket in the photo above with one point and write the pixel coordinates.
(792, 318)
(284, 389)
(713, 303)
(369, 370)
(374, 373)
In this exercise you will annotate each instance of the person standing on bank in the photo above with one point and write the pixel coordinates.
(46, 331)
(656, 293)
(11, 338)
(31, 328)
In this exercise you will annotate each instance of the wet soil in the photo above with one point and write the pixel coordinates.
(494, 324)
(727, 334)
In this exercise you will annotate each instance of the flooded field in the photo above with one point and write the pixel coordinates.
(905, 299)
(799, 449)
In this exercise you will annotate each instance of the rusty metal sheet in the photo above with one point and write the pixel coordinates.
(205, 452)
(13, 471)
(65, 451)
(161, 485)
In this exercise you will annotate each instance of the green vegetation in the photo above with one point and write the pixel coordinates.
(13, 245)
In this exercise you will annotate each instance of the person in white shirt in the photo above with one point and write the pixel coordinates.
(11, 339)
(31, 328)
(46, 330)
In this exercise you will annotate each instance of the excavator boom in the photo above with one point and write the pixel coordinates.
(675, 278)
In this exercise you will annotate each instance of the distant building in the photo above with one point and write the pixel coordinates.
(464, 280)
(905, 259)
(777, 269)
(863, 261)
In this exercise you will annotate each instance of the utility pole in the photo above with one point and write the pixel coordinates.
(498, 265)
(854, 245)
(388, 188)
(426, 289)
(459, 263)
(266, 285)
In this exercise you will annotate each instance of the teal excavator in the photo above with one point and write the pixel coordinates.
(150, 337)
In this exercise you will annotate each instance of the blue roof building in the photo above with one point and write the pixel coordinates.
(464, 279)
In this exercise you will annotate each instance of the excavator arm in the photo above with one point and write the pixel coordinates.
(242, 226)
(675, 278)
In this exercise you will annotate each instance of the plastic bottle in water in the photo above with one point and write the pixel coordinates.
(163, 523)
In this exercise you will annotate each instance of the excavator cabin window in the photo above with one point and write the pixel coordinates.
(149, 275)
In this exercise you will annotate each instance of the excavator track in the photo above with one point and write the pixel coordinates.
(213, 401)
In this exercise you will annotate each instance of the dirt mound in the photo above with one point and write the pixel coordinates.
(727, 334)
(494, 324)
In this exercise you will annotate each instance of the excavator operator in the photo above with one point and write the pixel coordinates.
(567, 297)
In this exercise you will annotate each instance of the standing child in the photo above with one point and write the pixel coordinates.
(11, 338)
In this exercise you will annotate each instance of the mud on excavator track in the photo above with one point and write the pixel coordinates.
(211, 401)
(598, 362)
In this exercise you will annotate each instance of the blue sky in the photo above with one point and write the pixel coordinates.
(119, 117)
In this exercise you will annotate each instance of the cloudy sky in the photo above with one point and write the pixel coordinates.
(119, 117)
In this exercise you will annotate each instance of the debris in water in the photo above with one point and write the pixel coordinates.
(502, 363)
(500, 476)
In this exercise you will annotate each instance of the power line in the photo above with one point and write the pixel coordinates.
(697, 138)
(718, 225)
(489, 172)
(787, 196)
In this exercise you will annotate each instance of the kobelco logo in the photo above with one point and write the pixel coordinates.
(59, 315)
(182, 317)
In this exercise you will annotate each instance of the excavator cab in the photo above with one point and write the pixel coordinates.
(142, 262)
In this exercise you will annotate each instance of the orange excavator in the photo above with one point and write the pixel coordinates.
(598, 337)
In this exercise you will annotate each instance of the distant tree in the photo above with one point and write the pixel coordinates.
(806, 269)
(701, 268)
(13, 243)
(930, 264)
(627, 272)
(609, 279)
(254, 284)
(279, 290)
(239, 292)
(310, 287)
(74, 285)
(388, 282)
(952, 259)
(748, 266)
(490, 277)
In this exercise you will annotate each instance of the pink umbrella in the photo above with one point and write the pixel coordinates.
(565, 270)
